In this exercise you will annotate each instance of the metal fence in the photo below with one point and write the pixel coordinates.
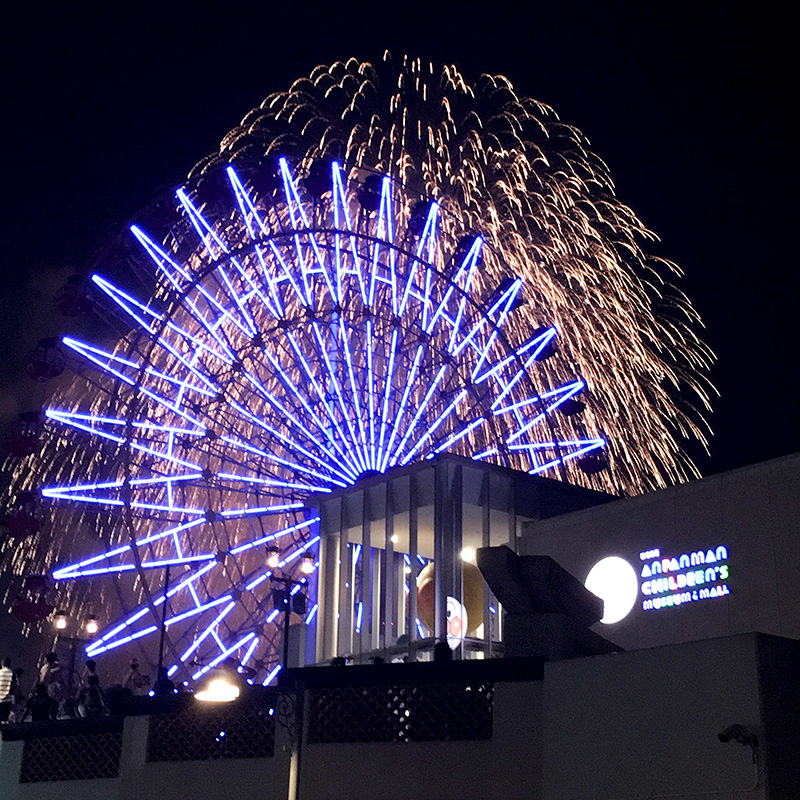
(71, 758)
(436, 712)
(224, 731)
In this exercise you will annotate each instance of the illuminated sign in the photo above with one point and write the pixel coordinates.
(614, 580)
(673, 581)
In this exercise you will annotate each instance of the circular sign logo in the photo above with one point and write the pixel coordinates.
(614, 580)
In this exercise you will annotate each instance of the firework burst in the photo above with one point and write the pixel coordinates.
(508, 167)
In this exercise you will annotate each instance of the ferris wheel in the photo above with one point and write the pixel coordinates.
(301, 333)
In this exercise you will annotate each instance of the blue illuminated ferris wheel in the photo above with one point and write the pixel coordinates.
(300, 336)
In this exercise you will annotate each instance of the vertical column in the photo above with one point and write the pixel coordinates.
(344, 639)
(456, 531)
(447, 541)
(486, 526)
(328, 594)
(413, 530)
(363, 609)
(388, 601)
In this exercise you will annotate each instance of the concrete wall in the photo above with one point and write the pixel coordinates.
(623, 726)
(508, 766)
(254, 779)
(754, 512)
(645, 724)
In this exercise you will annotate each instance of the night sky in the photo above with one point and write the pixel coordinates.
(688, 106)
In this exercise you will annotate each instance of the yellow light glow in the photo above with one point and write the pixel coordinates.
(468, 554)
(218, 690)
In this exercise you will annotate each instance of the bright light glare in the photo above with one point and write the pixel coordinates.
(613, 580)
(307, 564)
(218, 691)
(91, 626)
(468, 554)
(61, 622)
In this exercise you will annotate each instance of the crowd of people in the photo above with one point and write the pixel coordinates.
(56, 696)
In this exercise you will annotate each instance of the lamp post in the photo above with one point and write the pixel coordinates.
(90, 626)
(290, 598)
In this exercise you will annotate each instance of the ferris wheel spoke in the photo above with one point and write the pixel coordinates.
(427, 242)
(433, 427)
(353, 441)
(293, 446)
(531, 349)
(341, 216)
(417, 414)
(387, 389)
(211, 241)
(561, 394)
(143, 315)
(279, 406)
(323, 401)
(225, 654)
(568, 449)
(383, 240)
(290, 464)
(299, 219)
(285, 274)
(210, 630)
(344, 338)
(370, 394)
(104, 360)
(461, 434)
(271, 482)
(110, 639)
(271, 537)
(183, 283)
(401, 407)
(466, 273)
(454, 289)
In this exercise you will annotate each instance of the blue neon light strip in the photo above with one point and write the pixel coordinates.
(222, 656)
(358, 617)
(272, 536)
(272, 675)
(353, 442)
(207, 632)
(401, 408)
(432, 428)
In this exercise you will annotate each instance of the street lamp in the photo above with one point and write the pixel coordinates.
(307, 562)
(288, 599)
(90, 627)
(273, 557)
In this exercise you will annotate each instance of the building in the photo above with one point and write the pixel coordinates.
(702, 701)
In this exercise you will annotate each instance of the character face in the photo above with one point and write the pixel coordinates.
(457, 624)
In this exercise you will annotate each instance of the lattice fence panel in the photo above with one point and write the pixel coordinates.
(426, 713)
(212, 732)
(71, 758)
